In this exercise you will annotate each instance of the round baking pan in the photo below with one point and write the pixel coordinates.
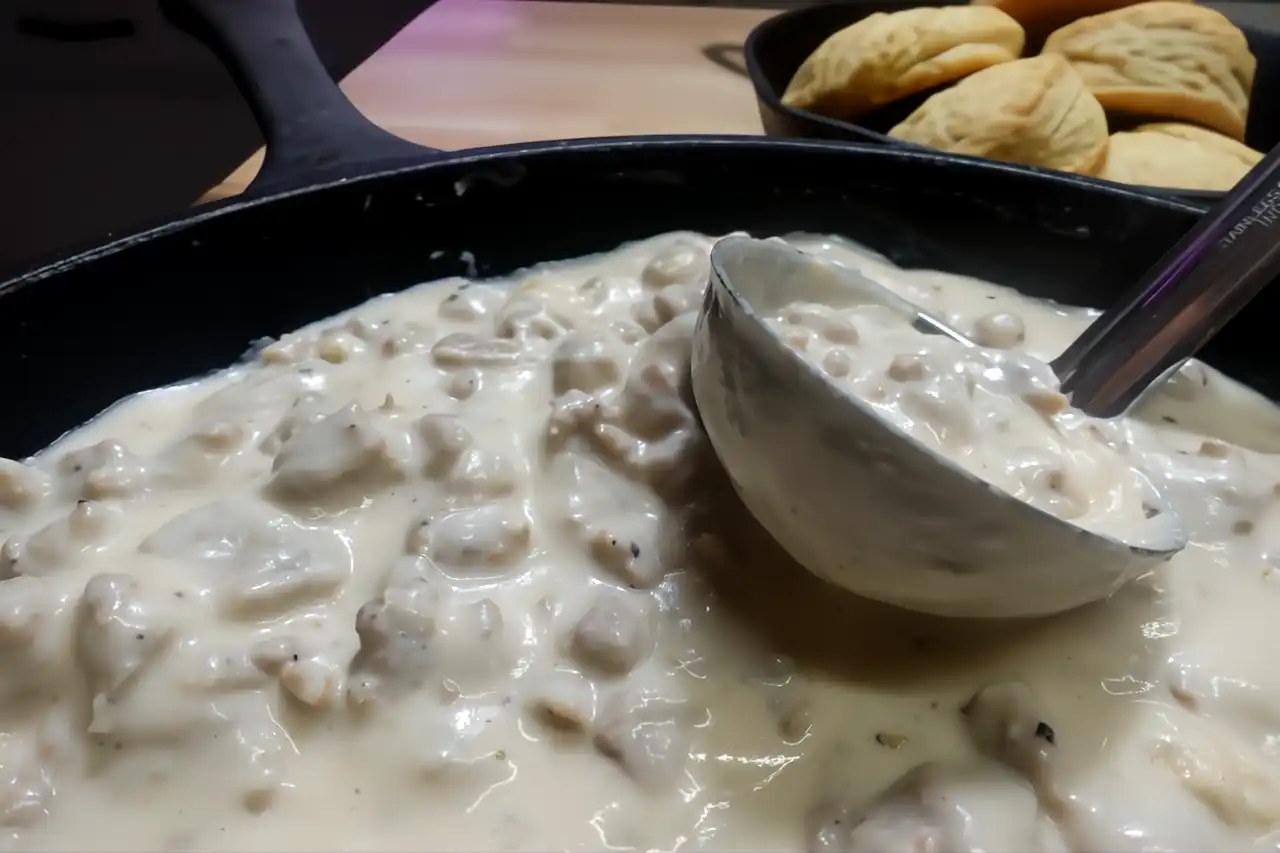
(342, 211)
(776, 47)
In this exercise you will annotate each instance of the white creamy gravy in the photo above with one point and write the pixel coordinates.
(458, 571)
(996, 412)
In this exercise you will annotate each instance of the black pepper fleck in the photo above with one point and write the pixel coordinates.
(635, 551)
(1046, 733)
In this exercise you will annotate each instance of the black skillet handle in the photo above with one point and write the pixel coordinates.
(312, 131)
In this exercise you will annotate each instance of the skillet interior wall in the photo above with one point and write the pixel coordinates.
(190, 300)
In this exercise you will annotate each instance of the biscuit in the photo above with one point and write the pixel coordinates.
(1165, 59)
(885, 57)
(1035, 111)
(1177, 155)
(1041, 17)
(1208, 138)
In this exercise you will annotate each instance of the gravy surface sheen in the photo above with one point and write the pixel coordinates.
(458, 570)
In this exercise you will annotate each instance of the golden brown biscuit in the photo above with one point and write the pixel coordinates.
(1208, 138)
(1177, 155)
(1041, 17)
(885, 57)
(1167, 59)
(1035, 111)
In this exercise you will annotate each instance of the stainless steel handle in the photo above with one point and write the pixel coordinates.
(1174, 310)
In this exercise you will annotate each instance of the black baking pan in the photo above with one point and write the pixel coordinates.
(775, 49)
(342, 211)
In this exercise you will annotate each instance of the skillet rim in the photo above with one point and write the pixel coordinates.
(349, 176)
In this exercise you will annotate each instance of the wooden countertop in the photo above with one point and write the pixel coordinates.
(470, 73)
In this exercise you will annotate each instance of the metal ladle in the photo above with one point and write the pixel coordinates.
(871, 509)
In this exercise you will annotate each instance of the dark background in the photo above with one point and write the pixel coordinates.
(109, 117)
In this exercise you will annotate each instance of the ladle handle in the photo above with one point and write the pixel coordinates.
(1230, 255)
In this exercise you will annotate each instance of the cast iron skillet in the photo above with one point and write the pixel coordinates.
(343, 211)
(774, 50)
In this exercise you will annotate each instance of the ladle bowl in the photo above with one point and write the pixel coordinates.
(854, 499)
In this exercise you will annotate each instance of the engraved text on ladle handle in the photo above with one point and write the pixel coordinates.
(1177, 307)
